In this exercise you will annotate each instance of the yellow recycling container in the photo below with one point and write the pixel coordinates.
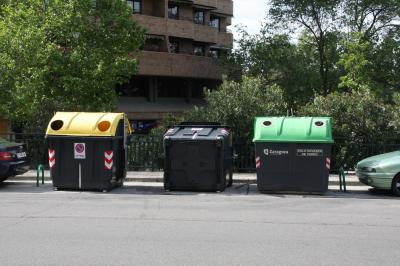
(88, 151)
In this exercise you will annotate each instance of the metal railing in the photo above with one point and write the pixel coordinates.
(146, 152)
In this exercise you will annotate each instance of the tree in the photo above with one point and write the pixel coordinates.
(385, 65)
(234, 63)
(360, 120)
(371, 17)
(356, 64)
(64, 56)
(237, 104)
(278, 61)
(316, 18)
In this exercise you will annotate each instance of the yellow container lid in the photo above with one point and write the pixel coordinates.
(85, 124)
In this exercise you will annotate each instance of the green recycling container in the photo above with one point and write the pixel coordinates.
(293, 154)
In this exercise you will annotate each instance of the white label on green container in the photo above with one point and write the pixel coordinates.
(310, 152)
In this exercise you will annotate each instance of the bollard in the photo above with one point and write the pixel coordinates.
(342, 177)
(40, 168)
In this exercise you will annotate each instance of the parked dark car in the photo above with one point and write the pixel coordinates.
(13, 159)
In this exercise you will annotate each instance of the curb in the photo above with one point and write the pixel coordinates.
(334, 182)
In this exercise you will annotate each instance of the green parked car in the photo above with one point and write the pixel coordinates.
(381, 171)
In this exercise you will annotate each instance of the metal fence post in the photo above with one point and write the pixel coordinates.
(342, 177)
(40, 168)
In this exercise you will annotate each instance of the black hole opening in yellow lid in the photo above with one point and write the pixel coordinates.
(56, 125)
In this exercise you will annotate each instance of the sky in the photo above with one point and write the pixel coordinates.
(249, 13)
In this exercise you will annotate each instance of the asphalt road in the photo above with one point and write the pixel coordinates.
(142, 225)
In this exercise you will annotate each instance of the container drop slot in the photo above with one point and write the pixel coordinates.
(267, 123)
(104, 126)
(56, 125)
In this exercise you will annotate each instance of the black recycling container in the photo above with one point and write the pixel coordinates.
(87, 151)
(198, 157)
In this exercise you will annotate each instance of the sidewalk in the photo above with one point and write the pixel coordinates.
(157, 177)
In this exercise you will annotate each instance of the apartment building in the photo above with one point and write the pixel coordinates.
(184, 40)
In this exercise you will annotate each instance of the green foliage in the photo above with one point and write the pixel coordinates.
(356, 115)
(316, 19)
(64, 56)
(356, 64)
(236, 104)
(280, 62)
(396, 114)
(385, 65)
(234, 63)
(306, 48)
(371, 18)
(359, 119)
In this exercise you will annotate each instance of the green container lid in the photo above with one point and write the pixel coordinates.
(293, 129)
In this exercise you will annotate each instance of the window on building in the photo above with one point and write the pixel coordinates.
(136, 87)
(173, 11)
(174, 46)
(136, 5)
(199, 17)
(198, 50)
(154, 43)
(171, 88)
(199, 92)
(214, 53)
(215, 22)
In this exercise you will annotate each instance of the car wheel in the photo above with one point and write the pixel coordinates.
(396, 185)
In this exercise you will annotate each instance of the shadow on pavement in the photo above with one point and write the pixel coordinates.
(251, 190)
(157, 189)
(372, 193)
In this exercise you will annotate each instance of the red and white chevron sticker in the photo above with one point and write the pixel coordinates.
(108, 160)
(52, 158)
(258, 162)
(328, 163)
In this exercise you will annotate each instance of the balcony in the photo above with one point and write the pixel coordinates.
(225, 7)
(178, 65)
(180, 28)
(184, 28)
(153, 25)
(225, 39)
(207, 3)
(205, 34)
